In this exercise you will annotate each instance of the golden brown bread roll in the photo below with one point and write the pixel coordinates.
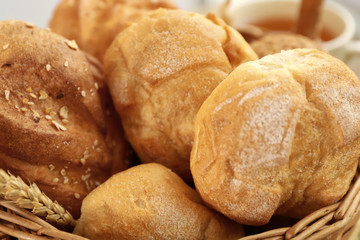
(57, 129)
(94, 24)
(149, 201)
(160, 70)
(119, 149)
(276, 42)
(279, 136)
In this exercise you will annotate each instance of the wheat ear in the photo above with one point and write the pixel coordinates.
(30, 197)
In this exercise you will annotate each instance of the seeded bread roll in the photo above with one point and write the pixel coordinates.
(94, 24)
(149, 201)
(279, 136)
(160, 70)
(276, 42)
(53, 122)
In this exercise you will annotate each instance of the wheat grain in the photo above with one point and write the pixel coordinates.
(30, 197)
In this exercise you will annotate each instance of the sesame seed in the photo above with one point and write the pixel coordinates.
(63, 172)
(48, 117)
(35, 112)
(37, 116)
(7, 95)
(52, 114)
(93, 94)
(85, 177)
(87, 185)
(83, 93)
(33, 95)
(43, 95)
(84, 157)
(56, 180)
(48, 67)
(65, 121)
(29, 90)
(58, 126)
(66, 64)
(72, 44)
(25, 101)
(96, 142)
(31, 103)
(66, 180)
(91, 90)
(5, 46)
(96, 86)
(23, 109)
(29, 25)
(17, 107)
(64, 112)
(48, 110)
(77, 196)
(97, 183)
(36, 119)
(51, 167)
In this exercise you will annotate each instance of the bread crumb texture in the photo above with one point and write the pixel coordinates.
(279, 136)
(149, 201)
(160, 70)
(45, 121)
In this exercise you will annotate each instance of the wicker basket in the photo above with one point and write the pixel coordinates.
(21, 224)
(338, 221)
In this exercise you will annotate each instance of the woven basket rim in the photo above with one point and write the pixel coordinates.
(337, 219)
(22, 224)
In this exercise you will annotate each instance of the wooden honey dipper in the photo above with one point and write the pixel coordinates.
(308, 22)
(309, 19)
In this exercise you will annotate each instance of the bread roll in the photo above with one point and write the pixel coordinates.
(149, 201)
(53, 122)
(160, 70)
(276, 42)
(279, 136)
(94, 24)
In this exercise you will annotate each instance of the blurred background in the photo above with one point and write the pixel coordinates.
(39, 11)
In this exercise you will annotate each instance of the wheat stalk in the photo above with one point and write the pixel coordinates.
(30, 197)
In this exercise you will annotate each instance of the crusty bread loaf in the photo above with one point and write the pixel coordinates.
(160, 70)
(279, 136)
(57, 125)
(94, 24)
(276, 42)
(149, 201)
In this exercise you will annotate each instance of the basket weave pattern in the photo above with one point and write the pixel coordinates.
(20, 223)
(336, 221)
